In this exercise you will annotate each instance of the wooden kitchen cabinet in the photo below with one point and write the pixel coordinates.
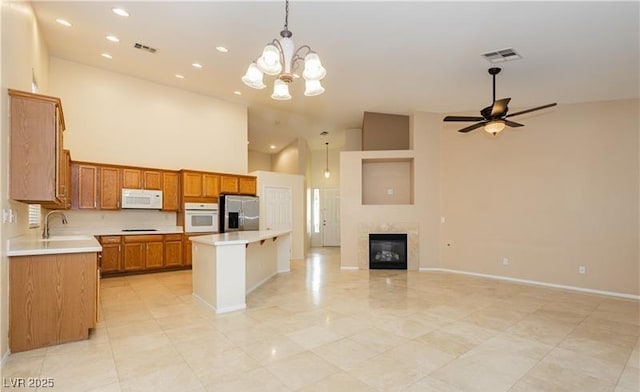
(37, 164)
(110, 259)
(170, 191)
(66, 179)
(133, 178)
(86, 190)
(228, 184)
(247, 185)
(200, 186)
(173, 250)
(110, 194)
(52, 299)
(210, 185)
(187, 250)
(143, 252)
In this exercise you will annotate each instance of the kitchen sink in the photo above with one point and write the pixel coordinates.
(67, 238)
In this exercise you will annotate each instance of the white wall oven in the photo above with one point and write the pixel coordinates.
(200, 217)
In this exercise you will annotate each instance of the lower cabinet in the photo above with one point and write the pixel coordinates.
(52, 299)
(139, 253)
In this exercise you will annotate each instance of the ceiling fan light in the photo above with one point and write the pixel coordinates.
(313, 87)
(280, 91)
(494, 127)
(253, 77)
(269, 62)
(313, 69)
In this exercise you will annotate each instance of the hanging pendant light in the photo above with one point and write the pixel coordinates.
(279, 58)
(327, 173)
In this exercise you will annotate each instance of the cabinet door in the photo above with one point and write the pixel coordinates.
(192, 184)
(154, 254)
(87, 186)
(247, 185)
(187, 251)
(134, 253)
(211, 185)
(228, 184)
(170, 191)
(66, 179)
(131, 178)
(109, 188)
(173, 251)
(61, 164)
(110, 260)
(34, 156)
(152, 180)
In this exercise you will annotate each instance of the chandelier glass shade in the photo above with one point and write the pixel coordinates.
(280, 58)
(494, 126)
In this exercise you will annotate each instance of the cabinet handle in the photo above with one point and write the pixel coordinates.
(94, 204)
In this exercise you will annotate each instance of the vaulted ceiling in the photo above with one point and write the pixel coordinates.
(390, 57)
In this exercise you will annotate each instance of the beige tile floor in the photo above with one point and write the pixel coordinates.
(318, 328)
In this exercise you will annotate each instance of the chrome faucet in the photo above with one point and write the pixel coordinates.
(45, 232)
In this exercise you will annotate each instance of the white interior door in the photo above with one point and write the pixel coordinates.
(331, 217)
(278, 208)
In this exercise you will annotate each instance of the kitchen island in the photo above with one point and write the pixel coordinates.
(228, 266)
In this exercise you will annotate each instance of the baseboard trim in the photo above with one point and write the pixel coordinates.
(348, 268)
(534, 282)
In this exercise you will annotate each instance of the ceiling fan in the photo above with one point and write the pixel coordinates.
(494, 118)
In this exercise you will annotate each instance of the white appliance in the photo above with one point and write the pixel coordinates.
(200, 217)
(141, 199)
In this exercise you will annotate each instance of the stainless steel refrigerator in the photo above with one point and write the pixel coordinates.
(239, 213)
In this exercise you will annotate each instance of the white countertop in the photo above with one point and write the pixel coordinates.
(73, 240)
(30, 245)
(97, 231)
(238, 237)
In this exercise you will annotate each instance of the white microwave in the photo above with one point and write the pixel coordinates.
(200, 217)
(141, 199)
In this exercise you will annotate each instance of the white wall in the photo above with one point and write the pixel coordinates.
(23, 52)
(259, 161)
(296, 184)
(113, 118)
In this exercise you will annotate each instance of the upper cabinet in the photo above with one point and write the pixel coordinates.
(228, 184)
(247, 185)
(133, 178)
(200, 186)
(170, 191)
(38, 164)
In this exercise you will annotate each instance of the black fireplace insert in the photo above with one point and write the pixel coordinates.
(387, 251)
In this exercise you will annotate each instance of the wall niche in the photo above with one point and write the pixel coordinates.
(387, 181)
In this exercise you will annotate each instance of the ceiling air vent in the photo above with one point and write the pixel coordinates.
(502, 55)
(146, 48)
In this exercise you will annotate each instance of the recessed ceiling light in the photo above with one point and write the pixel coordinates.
(63, 22)
(222, 49)
(120, 11)
(107, 56)
(112, 38)
(179, 76)
(272, 147)
(237, 92)
(197, 65)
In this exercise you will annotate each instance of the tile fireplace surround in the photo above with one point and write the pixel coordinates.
(410, 228)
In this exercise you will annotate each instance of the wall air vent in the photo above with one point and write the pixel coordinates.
(146, 48)
(502, 55)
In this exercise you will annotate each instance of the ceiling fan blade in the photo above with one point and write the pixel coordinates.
(531, 110)
(500, 107)
(513, 124)
(462, 118)
(472, 127)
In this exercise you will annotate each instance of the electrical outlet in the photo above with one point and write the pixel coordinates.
(505, 261)
(390, 191)
(5, 216)
(442, 219)
(582, 269)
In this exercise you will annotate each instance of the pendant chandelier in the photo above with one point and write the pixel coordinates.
(279, 57)
(327, 173)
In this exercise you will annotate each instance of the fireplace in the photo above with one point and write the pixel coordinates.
(388, 251)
